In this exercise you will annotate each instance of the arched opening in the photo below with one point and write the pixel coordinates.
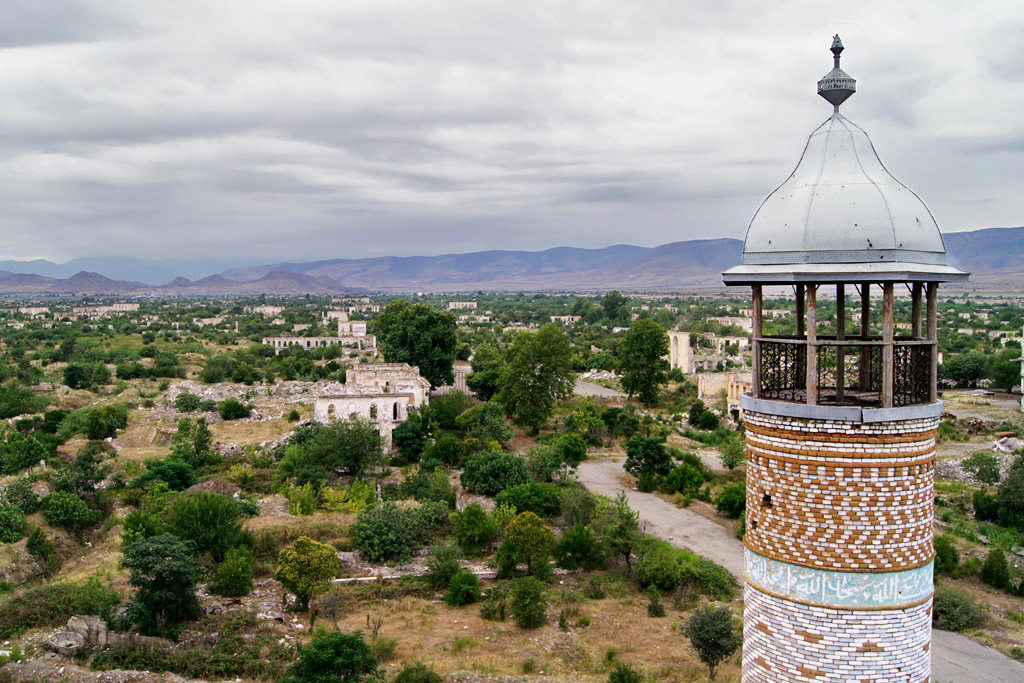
(331, 413)
(395, 412)
(351, 409)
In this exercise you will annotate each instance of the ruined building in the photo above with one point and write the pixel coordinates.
(841, 427)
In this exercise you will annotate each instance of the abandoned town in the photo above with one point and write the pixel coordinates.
(273, 435)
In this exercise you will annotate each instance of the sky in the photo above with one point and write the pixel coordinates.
(309, 129)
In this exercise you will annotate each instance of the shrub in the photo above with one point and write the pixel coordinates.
(996, 570)
(490, 472)
(417, 673)
(954, 610)
(212, 522)
(234, 575)
(986, 506)
(715, 581)
(294, 416)
(579, 549)
(654, 607)
(431, 486)
(12, 524)
(685, 479)
(178, 474)
(529, 607)
(624, 673)
(983, 466)
(646, 455)
(68, 511)
(702, 418)
(664, 566)
(495, 607)
(544, 499)
(42, 549)
(20, 451)
(97, 598)
(164, 574)
(464, 589)
(19, 494)
(475, 530)
(186, 403)
(712, 635)
(946, 556)
(733, 454)
(531, 540)
(442, 565)
(386, 532)
(1011, 499)
(732, 499)
(306, 569)
(333, 657)
(232, 409)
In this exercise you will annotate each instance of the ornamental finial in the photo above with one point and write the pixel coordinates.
(836, 86)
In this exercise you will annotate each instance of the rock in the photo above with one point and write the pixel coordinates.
(67, 643)
(215, 608)
(92, 629)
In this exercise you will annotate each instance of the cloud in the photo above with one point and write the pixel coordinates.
(317, 129)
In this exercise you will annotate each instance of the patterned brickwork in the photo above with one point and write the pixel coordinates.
(840, 495)
(787, 641)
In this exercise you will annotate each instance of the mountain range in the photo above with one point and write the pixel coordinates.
(994, 256)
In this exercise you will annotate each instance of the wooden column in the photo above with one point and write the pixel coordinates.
(915, 311)
(800, 322)
(758, 325)
(888, 307)
(932, 306)
(840, 335)
(812, 345)
(865, 330)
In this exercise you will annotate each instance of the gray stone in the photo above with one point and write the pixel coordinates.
(67, 643)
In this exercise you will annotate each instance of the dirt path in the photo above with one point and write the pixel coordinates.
(955, 658)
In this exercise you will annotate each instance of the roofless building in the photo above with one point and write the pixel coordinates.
(842, 417)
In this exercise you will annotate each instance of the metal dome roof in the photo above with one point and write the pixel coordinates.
(841, 215)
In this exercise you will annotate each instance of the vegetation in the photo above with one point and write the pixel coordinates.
(712, 635)
(306, 569)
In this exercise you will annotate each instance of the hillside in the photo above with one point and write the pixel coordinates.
(994, 256)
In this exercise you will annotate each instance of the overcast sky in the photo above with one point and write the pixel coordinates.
(303, 130)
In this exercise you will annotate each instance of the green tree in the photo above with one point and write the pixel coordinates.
(464, 589)
(12, 524)
(491, 472)
(537, 372)
(996, 570)
(475, 530)
(733, 454)
(210, 521)
(68, 511)
(641, 360)
(1004, 369)
(20, 451)
(17, 400)
(732, 499)
(984, 467)
(619, 528)
(647, 455)
(421, 336)
(965, 369)
(164, 574)
(529, 606)
(1011, 499)
(333, 657)
(713, 636)
(354, 446)
(532, 541)
(487, 365)
(234, 575)
(306, 569)
(193, 443)
(616, 306)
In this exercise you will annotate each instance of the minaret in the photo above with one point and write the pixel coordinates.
(842, 418)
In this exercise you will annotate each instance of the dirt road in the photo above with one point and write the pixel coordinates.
(955, 658)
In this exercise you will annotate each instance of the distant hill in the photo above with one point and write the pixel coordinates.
(994, 256)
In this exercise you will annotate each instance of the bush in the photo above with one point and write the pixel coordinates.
(68, 511)
(234, 575)
(97, 598)
(529, 607)
(19, 494)
(306, 569)
(12, 524)
(464, 589)
(333, 657)
(495, 607)
(986, 506)
(233, 409)
(954, 610)
(715, 581)
(946, 556)
(475, 530)
(42, 549)
(996, 570)
(732, 499)
(531, 539)
(431, 486)
(655, 609)
(187, 403)
(544, 499)
(294, 416)
(664, 566)
(579, 549)
(624, 673)
(442, 565)
(417, 673)
(712, 635)
(1011, 498)
(386, 532)
(178, 474)
(164, 574)
(685, 479)
(491, 472)
(645, 455)
(702, 418)
(212, 522)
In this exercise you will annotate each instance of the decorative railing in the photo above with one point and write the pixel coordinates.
(783, 370)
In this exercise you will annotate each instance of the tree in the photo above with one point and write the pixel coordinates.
(233, 409)
(464, 589)
(165, 575)
(1011, 499)
(996, 570)
(333, 657)
(17, 400)
(421, 336)
(529, 607)
(733, 454)
(1004, 369)
(647, 456)
(193, 443)
(616, 306)
(210, 521)
(486, 422)
(234, 575)
(306, 569)
(475, 530)
(641, 360)
(20, 451)
(491, 472)
(531, 539)
(68, 511)
(537, 372)
(12, 524)
(702, 418)
(732, 499)
(487, 364)
(619, 528)
(965, 369)
(984, 467)
(712, 635)
(354, 446)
